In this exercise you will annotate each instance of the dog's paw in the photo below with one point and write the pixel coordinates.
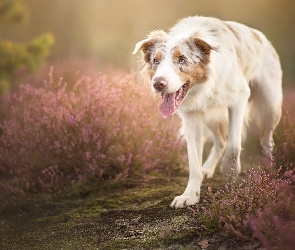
(207, 173)
(183, 201)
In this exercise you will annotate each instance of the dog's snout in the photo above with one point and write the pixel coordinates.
(159, 83)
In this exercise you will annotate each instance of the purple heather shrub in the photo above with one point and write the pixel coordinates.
(285, 144)
(274, 226)
(103, 129)
(233, 207)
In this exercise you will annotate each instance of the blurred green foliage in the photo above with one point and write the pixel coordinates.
(12, 11)
(19, 57)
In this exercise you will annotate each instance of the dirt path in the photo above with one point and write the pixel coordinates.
(131, 216)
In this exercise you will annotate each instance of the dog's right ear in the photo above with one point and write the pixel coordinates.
(147, 45)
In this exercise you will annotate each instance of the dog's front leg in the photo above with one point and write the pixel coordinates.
(231, 159)
(193, 123)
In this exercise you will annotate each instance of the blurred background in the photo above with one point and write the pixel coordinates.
(104, 32)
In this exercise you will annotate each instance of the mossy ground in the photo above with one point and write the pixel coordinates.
(124, 216)
(131, 215)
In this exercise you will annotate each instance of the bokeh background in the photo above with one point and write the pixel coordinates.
(105, 31)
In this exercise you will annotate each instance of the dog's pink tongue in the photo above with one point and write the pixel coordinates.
(167, 106)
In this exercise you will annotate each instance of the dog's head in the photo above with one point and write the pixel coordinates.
(174, 65)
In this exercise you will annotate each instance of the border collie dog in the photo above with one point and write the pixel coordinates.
(215, 75)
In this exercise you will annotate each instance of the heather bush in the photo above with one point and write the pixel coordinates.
(232, 207)
(285, 144)
(274, 226)
(100, 129)
(261, 206)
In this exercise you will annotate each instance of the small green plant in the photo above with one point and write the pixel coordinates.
(18, 58)
(12, 12)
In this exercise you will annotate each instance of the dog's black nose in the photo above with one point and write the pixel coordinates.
(159, 83)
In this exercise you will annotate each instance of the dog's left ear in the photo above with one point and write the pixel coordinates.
(142, 45)
(147, 44)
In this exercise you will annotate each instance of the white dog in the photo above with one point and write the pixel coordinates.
(213, 74)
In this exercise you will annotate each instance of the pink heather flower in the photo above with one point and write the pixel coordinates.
(129, 159)
(288, 174)
(71, 120)
(102, 156)
(22, 151)
(87, 154)
(57, 144)
(118, 177)
(100, 173)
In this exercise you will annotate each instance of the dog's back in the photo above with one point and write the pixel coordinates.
(258, 61)
(254, 52)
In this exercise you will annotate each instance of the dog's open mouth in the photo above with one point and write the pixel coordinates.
(171, 101)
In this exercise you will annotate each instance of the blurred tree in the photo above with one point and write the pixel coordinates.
(17, 57)
(12, 11)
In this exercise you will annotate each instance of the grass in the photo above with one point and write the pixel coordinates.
(124, 216)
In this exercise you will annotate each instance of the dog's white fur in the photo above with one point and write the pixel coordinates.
(236, 72)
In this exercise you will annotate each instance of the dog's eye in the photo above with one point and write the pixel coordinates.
(156, 61)
(182, 60)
